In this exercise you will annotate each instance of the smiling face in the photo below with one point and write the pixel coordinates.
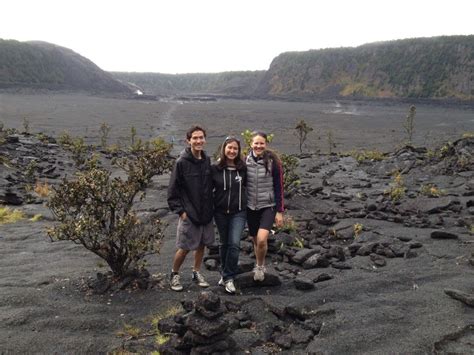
(231, 151)
(259, 144)
(196, 142)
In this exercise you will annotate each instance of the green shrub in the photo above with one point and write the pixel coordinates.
(291, 179)
(397, 188)
(431, 190)
(7, 215)
(96, 211)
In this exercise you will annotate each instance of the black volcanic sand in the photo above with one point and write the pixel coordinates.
(365, 307)
(353, 124)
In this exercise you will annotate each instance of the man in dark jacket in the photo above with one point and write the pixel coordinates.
(190, 196)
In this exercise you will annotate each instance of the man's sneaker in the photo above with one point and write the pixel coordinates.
(259, 273)
(174, 282)
(199, 279)
(229, 285)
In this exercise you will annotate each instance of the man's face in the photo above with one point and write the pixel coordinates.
(197, 141)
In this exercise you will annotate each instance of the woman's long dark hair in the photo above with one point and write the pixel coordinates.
(239, 163)
(268, 154)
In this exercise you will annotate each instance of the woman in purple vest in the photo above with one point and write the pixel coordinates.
(264, 197)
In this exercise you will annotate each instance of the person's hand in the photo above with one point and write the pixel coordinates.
(183, 216)
(279, 219)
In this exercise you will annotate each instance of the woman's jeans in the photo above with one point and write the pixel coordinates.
(230, 229)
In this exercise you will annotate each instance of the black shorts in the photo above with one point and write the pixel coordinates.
(262, 218)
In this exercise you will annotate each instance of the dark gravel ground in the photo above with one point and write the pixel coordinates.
(45, 306)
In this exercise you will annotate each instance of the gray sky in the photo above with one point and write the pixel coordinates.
(187, 36)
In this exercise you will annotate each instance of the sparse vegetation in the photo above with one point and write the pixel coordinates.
(26, 126)
(30, 171)
(302, 130)
(298, 243)
(409, 124)
(358, 228)
(130, 332)
(289, 225)
(397, 189)
(65, 139)
(36, 217)
(7, 215)
(291, 179)
(431, 190)
(367, 155)
(104, 134)
(42, 189)
(42, 137)
(330, 141)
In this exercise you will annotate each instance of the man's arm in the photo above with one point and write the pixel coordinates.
(174, 191)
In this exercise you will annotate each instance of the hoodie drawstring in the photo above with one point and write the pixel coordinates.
(240, 191)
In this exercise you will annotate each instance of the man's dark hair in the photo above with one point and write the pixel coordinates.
(193, 129)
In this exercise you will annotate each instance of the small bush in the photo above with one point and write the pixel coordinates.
(130, 331)
(301, 131)
(409, 124)
(104, 134)
(26, 126)
(358, 228)
(331, 142)
(291, 179)
(30, 171)
(96, 211)
(397, 189)
(7, 215)
(288, 226)
(431, 190)
(36, 217)
(42, 189)
(42, 137)
(65, 139)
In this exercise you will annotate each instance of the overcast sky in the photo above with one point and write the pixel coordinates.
(188, 36)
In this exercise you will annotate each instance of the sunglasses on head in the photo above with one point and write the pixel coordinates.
(228, 138)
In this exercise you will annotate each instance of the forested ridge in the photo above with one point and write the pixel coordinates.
(436, 67)
(47, 66)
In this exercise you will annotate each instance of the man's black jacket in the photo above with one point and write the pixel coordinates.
(190, 188)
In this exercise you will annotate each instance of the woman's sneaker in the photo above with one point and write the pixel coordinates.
(259, 273)
(199, 279)
(229, 285)
(174, 282)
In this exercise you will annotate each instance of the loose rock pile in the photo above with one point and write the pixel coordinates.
(209, 326)
(204, 330)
